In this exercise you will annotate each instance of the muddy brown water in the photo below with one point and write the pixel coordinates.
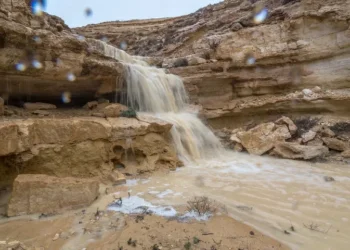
(271, 195)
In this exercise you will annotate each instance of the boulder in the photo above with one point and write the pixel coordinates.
(195, 60)
(114, 110)
(38, 106)
(287, 121)
(263, 137)
(117, 178)
(295, 151)
(2, 106)
(315, 142)
(91, 105)
(45, 194)
(336, 144)
(346, 154)
(308, 136)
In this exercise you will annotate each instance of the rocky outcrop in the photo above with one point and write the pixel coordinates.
(84, 147)
(41, 59)
(305, 139)
(43, 194)
(296, 151)
(262, 138)
(294, 62)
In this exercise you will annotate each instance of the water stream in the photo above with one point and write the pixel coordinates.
(269, 194)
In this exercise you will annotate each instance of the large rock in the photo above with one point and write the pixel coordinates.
(84, 147)
(308, 136)
(113, 110)
(263, 137)
(296, 151)
(336, 144)
(287, 121)
(33, 194)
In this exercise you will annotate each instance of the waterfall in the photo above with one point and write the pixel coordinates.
(152, 90)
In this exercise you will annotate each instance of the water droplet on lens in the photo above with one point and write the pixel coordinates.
(36, 64)
(81, 38)
(71, 77)
(57, 61)
(104, 39)
(88, 12)
(260, 16)
(37, 6)
(123, 45)
(250, 60)
(66, 97)
(21, 66)
(37, 39)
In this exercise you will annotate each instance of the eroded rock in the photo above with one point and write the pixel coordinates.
(113, 110)
(295, 151)
(263, 137)
(50, 195)
(336, 144)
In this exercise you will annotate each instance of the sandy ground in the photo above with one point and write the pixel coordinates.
(98, 229)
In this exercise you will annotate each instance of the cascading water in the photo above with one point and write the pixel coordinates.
(154, 91)
(272, 195)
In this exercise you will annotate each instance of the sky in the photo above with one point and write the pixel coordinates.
(73, 11)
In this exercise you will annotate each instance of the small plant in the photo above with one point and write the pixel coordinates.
(155, 247)
(214, 44)
(305, 124)
(187, 246)
(132, 242)
(130, 113)
(196, 240)
(341, 127)
(315, 227)
(201, 205)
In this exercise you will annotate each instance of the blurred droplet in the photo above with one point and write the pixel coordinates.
(88, 12)
(260, 15)
(250, 60)
(81, 38)
(36, 64)
(66, 97)
(37, 6)
(57, 61)
(104, 39)
(37, 39)
(123, 45)
(71, 77)
(21, 66)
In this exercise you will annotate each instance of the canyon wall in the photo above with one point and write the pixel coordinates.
(241, 70)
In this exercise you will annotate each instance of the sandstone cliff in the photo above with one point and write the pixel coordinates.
(41, 58)
(239, 70)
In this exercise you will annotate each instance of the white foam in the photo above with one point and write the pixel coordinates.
(135, 205)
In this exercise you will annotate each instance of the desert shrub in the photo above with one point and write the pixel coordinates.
(341, 128)
(201, 205)
(181, 62)
(130, 113)
(214, 44)
(305, 124)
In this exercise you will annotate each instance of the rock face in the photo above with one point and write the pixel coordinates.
(41, 58)
(84, 147)
(296, 151)
(34, 194)
(262, 138)
(336, 144)
(252, 70)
